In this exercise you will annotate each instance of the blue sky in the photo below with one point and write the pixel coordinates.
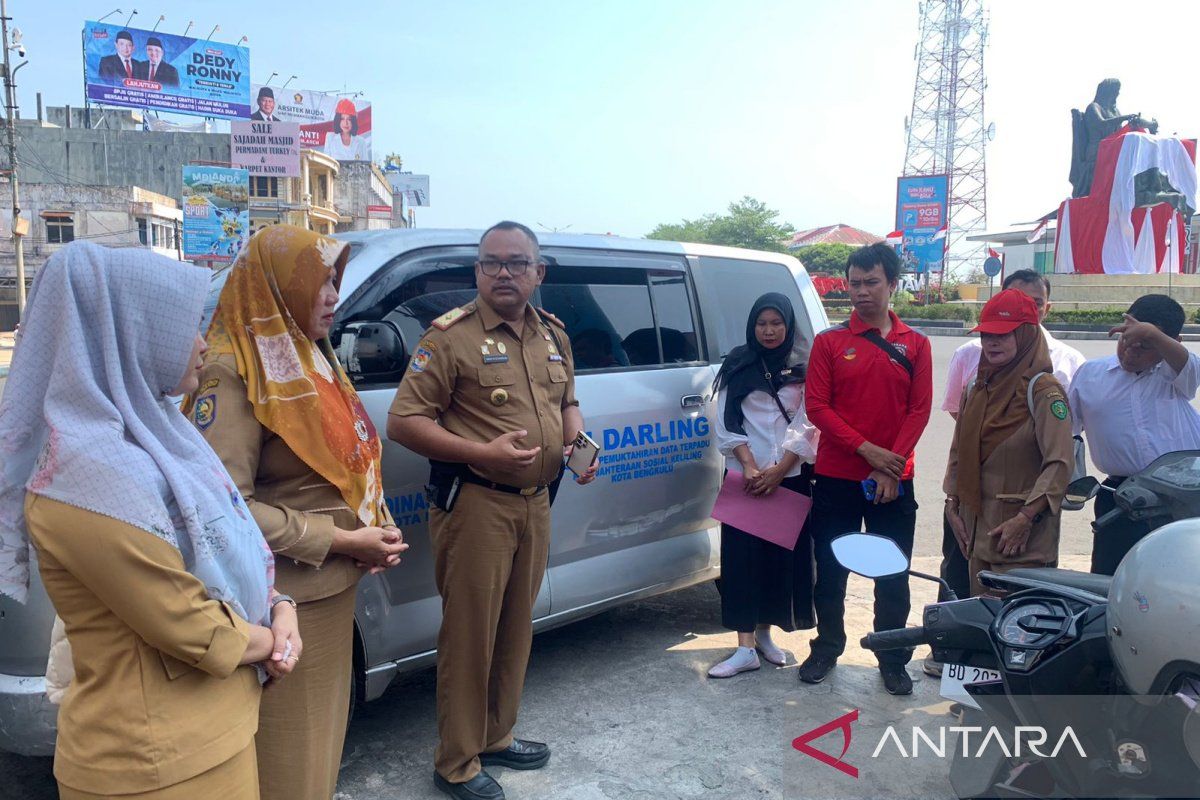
(615, 115)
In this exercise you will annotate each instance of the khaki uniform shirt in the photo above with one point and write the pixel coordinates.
(296, 508)
(1036, 461)
(158, 696)
(472, 373)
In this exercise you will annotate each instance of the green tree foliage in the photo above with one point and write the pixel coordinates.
(827, 258)
(748, 223)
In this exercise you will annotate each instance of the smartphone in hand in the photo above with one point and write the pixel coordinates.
(584, 453)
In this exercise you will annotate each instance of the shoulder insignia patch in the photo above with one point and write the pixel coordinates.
(205, 411)
(547, 315)
(420, 360)
(452, 316)
(208, 385)
(1059, 409)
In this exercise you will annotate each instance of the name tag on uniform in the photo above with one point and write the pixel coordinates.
(555, 357)
(495, 359)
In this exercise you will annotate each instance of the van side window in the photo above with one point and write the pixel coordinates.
(611, 313)
(728, 288)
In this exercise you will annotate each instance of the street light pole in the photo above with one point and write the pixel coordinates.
(10, 105)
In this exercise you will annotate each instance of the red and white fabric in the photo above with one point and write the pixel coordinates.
(1101, 233)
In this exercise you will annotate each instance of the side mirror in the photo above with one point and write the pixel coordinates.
(870, 555)
(371, 352)
(1082, 490)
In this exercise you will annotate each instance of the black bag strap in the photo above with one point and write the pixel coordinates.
(774, 394)
(883, 344)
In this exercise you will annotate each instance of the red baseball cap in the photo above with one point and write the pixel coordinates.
(1006, 312)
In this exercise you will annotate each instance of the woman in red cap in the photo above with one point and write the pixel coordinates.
(1012, 454)
(342, 142)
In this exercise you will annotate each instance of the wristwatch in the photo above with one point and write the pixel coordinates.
(282, 598)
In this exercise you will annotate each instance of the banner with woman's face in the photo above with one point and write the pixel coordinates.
(335, 124)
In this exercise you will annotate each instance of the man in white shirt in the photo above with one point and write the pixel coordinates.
(1134, 407)
(961, 371)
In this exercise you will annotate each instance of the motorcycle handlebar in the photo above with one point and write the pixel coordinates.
(894, 640)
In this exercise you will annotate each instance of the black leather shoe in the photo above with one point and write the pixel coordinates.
(816, 667)
(481, 787)
(521, 754)
(895, 679)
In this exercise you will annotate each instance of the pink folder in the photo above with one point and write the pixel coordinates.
(777, 517)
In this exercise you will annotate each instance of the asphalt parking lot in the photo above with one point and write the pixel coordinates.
(623, 700)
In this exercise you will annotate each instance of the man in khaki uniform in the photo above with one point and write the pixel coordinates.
(490, 390)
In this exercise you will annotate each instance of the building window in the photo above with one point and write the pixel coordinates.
(60, 228)
(164, 235)
(322, 189)
(143, 234)
(264, 187)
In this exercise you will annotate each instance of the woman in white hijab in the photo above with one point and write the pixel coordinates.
(161, 576)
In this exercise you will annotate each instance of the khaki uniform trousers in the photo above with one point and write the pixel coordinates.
(489, 559)
(302, 719)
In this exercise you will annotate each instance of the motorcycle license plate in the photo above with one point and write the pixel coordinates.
(956, 677)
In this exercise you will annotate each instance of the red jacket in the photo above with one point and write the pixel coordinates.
(855, 393)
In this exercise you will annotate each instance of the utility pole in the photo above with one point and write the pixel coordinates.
(10, 107)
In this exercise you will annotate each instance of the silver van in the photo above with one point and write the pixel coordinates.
(649, 322)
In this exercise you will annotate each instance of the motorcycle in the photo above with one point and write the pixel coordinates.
(1054, 652)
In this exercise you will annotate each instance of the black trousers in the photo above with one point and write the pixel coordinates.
(840, 507)
(1111, 545)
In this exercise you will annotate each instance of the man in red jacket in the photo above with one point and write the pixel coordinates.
(869, 392)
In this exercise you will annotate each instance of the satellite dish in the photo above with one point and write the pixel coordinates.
(991, 131)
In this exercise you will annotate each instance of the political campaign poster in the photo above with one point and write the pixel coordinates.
(216, 212)
(150, 69)
(414, 187)
(921, 214)
(265, 148)
(337, 126)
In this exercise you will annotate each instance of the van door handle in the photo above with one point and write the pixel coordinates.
(691, 401)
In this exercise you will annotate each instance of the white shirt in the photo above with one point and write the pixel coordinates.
(964, 364)
(1131, 419)
(768, 434)
(355, 151)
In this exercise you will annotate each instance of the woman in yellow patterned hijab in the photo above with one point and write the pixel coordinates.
(269, 305)
(278, 409)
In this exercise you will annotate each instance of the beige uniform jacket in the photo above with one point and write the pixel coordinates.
(471, 372)
(296, 508)
(1036, 461)
(158, 696)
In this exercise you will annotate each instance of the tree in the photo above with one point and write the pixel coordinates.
(827, 257)
(748, 223)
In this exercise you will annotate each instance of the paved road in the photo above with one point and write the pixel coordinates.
(623, 699)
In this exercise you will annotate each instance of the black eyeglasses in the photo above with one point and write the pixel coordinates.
(491, 266)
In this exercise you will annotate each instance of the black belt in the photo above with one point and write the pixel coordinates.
(469, 476)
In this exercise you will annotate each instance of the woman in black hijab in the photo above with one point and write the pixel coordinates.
(763, 432)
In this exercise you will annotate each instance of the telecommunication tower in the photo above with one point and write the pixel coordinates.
(946, 132)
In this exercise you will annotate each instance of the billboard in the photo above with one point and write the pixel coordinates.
(265, 148)
(337, 126)
(921, 212)
(414, 187)
(216, 212)
(148, 69)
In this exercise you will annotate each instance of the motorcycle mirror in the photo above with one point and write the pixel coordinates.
(1082, 490)
(870, 555)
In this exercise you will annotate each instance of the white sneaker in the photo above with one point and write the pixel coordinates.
(931, 666)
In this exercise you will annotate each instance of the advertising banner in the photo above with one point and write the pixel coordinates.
(414, 187)
(379, 212)
(337, 126)
(921, 213)
(216, 212)
(150, 69)
(265, 148)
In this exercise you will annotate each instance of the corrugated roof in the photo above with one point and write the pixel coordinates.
(833, 234)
